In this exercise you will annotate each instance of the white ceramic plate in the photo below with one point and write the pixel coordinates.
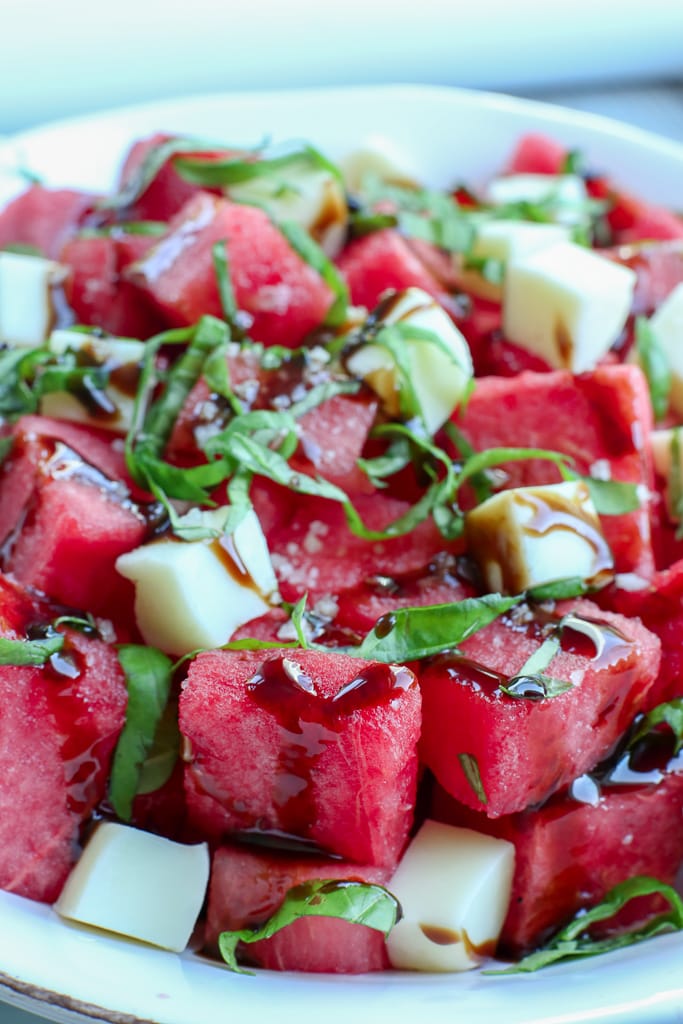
(62, 971)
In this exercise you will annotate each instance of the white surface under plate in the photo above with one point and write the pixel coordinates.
(61, 970)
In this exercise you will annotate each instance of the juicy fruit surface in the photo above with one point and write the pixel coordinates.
(299, 759)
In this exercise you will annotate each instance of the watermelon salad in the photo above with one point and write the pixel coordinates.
(341, 537)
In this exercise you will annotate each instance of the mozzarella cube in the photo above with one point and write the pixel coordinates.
(439, 371)
(454, 886)
(667, 323)
(122, 357)
(26, 308)
(381, 159)
(313, 197)
(566, 304)
(504, 241)
(194, 594)
(565, 194)
(526, 536)
(137, 884)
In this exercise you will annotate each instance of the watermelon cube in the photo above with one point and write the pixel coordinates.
(383, 261)
(283, 296)
(58, 727)
(601, 420)
(248, 885)
(502, 753)
(44, 218)
(316, 745)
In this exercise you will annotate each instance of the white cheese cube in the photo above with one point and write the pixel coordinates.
(439, 372)
(661, 444)
(26, 309)
(381, 159)
(137, 884)
(194, 594)
(566, 192)
(667, 323)
(122, 357)
(526, 536)
(311, 196)
(453, 885)
(566, 304)
(504, 241)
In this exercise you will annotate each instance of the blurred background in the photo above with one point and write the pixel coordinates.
(620, 57)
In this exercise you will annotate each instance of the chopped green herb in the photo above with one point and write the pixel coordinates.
(311, 253)
(356, 902)
(30, 652)
(468, 763)
(655, 364)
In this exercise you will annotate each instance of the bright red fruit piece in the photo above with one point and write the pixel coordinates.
(500, 753)
(247, 886)
(44, 218)
(317, 745)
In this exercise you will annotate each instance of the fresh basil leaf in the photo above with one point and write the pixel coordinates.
(18, 368)
(146, 228)
(311, 253)
(491, 269)
(321, 393)
(468, 763)
(221, 266)
(408, 634)
(480, 482)
(236, 170)
(363, 223)
(670, 714)
(148, 680)
(573, 163)
(6, 445)
(612, 497)
(356, 902)
(655, 365)
(158, 766)
(297, 616)
(676, 481)
(30, 652)
(559, 590)
(573, 941)
(83, 624)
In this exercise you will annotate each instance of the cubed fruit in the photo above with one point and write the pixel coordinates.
(137, 884)
(43, 218)
(26, 308)
(166, 191)
(500, 752)
(453, 885)
(317, 745)
(537, 154)
(435, 369)
(58, 729)
(284, 297)
(658, 267)
(566, 304)
(601, 420)
(526, 536)
(66, 515)
(383, 261)
(248, 885)
(570, 853)
(195, 593)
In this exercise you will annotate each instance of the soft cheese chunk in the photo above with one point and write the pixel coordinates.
(566, 304)
(437, 371)
(112, 409)
(26, 309)
(667, 323)
(194, 594)
(312, 196)
(381, 159)
(526, 536)
(564, 195)
(453, 885)
(504, 241)
(137, 884)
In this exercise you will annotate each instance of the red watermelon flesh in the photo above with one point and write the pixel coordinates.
(64, 522)
(58, 728)
(44, 218)
(247, 886)
(536, 154)
(282, 294)
(166, 192)
(601, 419)
(382, 261)
(658, 267)
(569, 854)
(315, 552)
(316, 745)
(502, 754)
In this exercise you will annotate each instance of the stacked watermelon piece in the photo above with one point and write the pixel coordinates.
(307, 753)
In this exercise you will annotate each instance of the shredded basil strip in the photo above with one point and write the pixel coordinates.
(356, 902)
(311, 253)
(655, 365)
(470, 768)
(572, 941)
(670, 714)
(530, 682)
(676, 482)
(221, 266)
(30, 652)
(236, 170)
(148, 680)
(612, 497)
